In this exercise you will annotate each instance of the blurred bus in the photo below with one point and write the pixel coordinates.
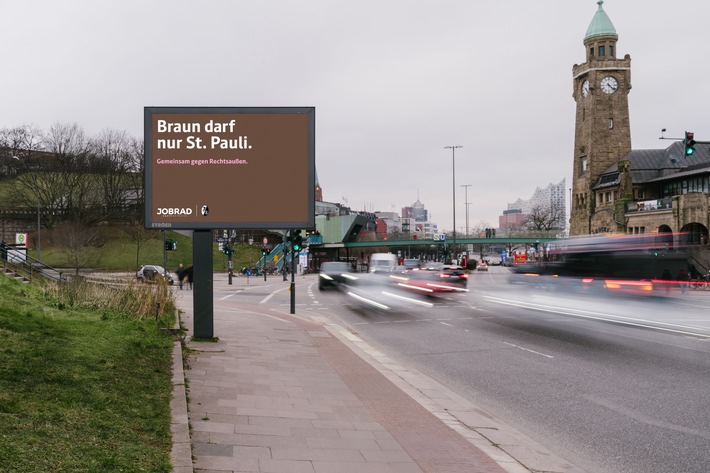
(629, 264)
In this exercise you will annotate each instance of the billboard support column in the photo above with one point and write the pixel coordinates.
(202, 300)
(292, 287)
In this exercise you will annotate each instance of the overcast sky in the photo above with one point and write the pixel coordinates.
(393, 82)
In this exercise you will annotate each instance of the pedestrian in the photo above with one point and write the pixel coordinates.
(180, 271)
(666, 279)
(189, 275)
(683, 280)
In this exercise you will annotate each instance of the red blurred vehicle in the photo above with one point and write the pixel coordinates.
(434, 278)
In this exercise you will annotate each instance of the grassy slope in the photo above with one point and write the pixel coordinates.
(80, 390)
(120, 254)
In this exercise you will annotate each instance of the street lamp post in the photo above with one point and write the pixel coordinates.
(39, 254)
(453, 164)
(466, 186)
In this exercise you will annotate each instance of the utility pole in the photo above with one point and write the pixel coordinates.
(466, 186)
(453, 162)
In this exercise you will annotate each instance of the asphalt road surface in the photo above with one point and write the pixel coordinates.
(617, 384)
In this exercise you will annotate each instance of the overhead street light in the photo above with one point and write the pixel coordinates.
(453, 161)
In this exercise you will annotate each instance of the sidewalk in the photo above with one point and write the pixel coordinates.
(290, 393)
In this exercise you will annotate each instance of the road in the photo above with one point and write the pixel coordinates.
(608, 385)
(611, 385)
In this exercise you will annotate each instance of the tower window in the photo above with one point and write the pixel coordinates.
(601, 51)
(611, 50)
(582, 165)
(591, 52)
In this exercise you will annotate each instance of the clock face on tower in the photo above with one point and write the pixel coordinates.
(585, 88)
(609, 85)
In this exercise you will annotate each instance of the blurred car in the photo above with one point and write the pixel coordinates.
(332, 274)
(411, 263)
(482, 267)
(382, 291)
(436, 278)
(383, 263)
(154, 273)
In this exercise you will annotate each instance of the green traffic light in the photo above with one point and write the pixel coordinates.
(296, 241)
(689, 143)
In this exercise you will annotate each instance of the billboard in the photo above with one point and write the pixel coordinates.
(229, 167)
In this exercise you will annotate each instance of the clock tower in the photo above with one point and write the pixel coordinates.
(602, 133)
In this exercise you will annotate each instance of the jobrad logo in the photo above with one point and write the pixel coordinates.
(174, 211)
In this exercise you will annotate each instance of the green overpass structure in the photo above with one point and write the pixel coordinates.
(338, 237)
(459, 241)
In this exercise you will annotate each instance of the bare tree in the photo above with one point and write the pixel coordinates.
(69, 175)
(22, 141)
(140, 236)
(118, 161)
(36, 185)
(545, 219)
(79, 245)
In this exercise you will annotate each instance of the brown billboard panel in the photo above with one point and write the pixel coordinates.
(229, 167)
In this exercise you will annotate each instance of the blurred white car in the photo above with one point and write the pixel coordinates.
(152, 272)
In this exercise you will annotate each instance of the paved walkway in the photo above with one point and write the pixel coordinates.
(289, 393)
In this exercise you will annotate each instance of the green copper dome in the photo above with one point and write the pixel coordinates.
(600, 25)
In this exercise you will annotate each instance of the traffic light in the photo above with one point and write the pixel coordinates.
(170, 245)
(227, 249)
(689, 143)
(297, 241)
(263, 251)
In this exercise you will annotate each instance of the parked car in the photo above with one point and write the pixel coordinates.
(332, 274)
(153, 273)
(483, 266)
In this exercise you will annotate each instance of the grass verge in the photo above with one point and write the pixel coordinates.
(85, 379)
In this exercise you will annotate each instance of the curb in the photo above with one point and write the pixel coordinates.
(181, 452)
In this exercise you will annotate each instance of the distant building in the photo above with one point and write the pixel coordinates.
(415, 220)
(416, 211)
(392, 221)
(551, 198)
(511, 219)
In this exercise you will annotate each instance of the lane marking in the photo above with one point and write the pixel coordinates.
(604, 317)
(266, 299)
(529, 350)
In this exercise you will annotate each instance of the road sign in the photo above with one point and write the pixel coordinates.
(266, 241)
(222, 239)
(442, 237)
